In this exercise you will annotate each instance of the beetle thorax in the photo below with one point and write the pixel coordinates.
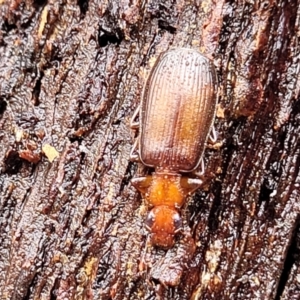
(165, 190)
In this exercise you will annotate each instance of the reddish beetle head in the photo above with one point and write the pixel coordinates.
(163, 222)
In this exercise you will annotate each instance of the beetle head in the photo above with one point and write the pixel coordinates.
(163, 222)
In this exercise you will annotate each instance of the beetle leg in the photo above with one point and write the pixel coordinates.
(189, 185)
(201, 170)
(213, 136)
(134, 124)
(142, 183)
(134, 153)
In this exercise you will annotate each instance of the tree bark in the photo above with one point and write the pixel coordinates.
(71, 223)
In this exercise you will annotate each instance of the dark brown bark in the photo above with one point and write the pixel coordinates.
(71, 224)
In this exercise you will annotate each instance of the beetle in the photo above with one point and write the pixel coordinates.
(175, 118)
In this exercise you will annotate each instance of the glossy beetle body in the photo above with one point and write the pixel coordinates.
(175, 118)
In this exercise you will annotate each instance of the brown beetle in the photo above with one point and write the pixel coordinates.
(175, 118)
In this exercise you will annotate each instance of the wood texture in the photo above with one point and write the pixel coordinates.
(71, 224)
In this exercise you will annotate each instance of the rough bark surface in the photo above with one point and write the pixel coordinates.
(71, 224)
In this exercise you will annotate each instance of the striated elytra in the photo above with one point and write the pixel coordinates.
(175, 118)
